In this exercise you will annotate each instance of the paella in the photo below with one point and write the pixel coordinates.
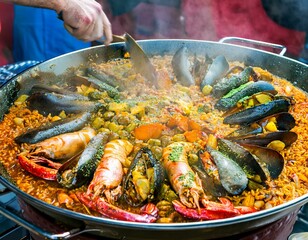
(209, 139)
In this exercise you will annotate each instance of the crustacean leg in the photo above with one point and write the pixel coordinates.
(32, 166)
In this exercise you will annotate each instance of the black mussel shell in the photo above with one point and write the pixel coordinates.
(284, 121)
(243, 158)
(181, 67)
(258, 112)
(264, 139)
(231, 175)
(271, 160)
(48, 130)
(143, 160)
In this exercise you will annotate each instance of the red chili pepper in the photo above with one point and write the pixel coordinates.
(148, 213)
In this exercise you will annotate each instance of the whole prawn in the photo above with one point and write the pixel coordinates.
(63, 146)
(182, 178)
(38, 159)
(109, 173)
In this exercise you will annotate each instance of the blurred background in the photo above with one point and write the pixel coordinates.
(36, 34)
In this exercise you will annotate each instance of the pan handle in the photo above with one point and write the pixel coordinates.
(257, 43)
(16, 217)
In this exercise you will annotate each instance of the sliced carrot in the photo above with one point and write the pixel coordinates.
(148, 131)
(194, 125)
(193, 135)
(179, 121)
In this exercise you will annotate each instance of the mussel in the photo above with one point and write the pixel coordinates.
(102, 86)
(283, 121)
(217, 70)
(41, 88)
(271, 161)
(51, 129)
(104, 77)
(226, 84)
(243, 158)
(251, 101)
(258, 112)
(264, 139)
(144, 178)
(53, 103)
(232, 176)
(181, 67)
(79, 169)
(211, 185)
(231, 98)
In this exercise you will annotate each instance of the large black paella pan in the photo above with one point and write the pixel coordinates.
(64, 67)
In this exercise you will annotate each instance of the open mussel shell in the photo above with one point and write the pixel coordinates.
(246, 90)
(144, 179)
(209, 185)
(226, 84)
(41, 88)
(48, 130)
(231, 175)
(270, 160)
(181, 67)
(264, 139)
(258, 112)
(283, 121)
(251, 101)
(243, 158)
(79, 169)
(217, 70)
(53, 103)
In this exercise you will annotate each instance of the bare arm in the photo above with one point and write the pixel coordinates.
(84, 19)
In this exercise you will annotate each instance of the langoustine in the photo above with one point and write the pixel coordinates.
(61, 147)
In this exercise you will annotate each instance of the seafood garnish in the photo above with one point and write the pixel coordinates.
(217, 70)
(104, 77)
(264, 139)
(37, 160)
(63, 146)
(109, 172)
(226, 84)
(258, 112)
(243, 158)
(102, 86)
(231, 175)
(187, 184)
(230, 99)
(80, 169)
(40, 88)
(40, 167)
(144, 178)
(283, 121)
(54, 103)
(270, 160)
(181, 67)
(52, 129)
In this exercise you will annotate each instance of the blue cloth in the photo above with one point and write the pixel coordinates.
(39, 35)
(10, 70)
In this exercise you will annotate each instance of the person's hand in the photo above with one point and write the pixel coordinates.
(86, 20)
